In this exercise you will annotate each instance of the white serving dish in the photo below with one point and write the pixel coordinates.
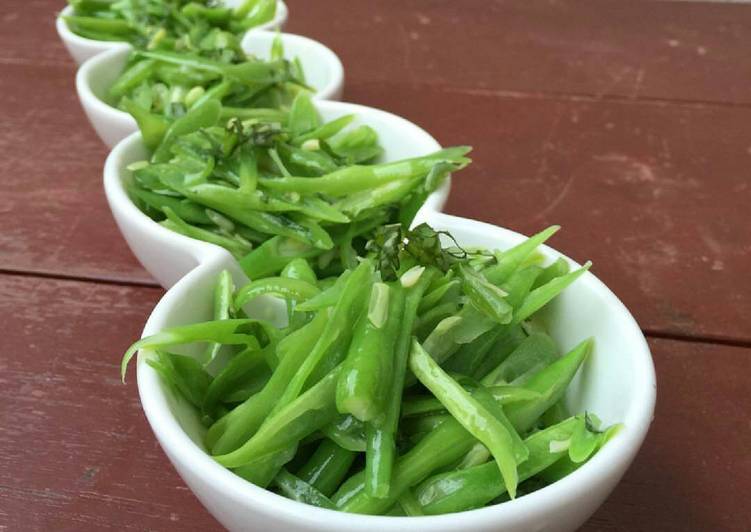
(169, 256)
(81, 48)
(322, 67)
(617, 383)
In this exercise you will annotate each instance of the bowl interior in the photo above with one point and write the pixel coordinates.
(616, 382)
(105, 70)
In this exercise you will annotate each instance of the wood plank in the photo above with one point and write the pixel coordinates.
(653, 194)
(77, 452)
(55, 218)
(76, 448)
(666, 50)
(663, 50)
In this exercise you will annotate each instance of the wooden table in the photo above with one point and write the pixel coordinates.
(628, 123)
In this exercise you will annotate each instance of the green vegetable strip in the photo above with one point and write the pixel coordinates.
(289, 424)
(299, 490)
(224, 332)
(292, 289)
(328, 467)
(356, 178)
(440, 448)
(363, 384)
(230, 378)
(338, 329)
(475, 418)
(551, 384)
(223, 292)
(512, 258)
(534, 353)
(381, 434)
(474, 487)
(234, 429)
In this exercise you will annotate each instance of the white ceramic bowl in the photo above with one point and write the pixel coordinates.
(96, 75)
(168, 256)
(81, 48)
(617, 383)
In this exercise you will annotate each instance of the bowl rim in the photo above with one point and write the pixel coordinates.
(612, 459)
(90, 68)
(67, 35)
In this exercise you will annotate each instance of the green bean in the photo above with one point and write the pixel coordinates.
(440, 448)
(357, 178)
(347, 432)
(327, 468)
(231, 431)
(471, 413)
(409, 504)
(323, 132)
(551, 383)
(293, 421)
(540, 296)
(476, 486)
(381, 434)
(198, 117)
(558, 268)
(298, 490)
(486, 297)
(274, 254)
(110, 27)
(153, 127)
(418, 405)
(224, 332)
(236, 247)
(303, 116)
(338, 329)
(254, 12)
(184, 373)
(263, 472)
(286, 288)
(233, 375)
(363, 383)
(512, 258)
(131, 78)
(357, 145)
(533, 354)
(223, 292)
(184, 209)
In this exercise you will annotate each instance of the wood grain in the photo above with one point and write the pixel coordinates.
(76, 452)
(53, 216)
(692, 51)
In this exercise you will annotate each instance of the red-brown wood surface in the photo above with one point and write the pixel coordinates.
(629, 123)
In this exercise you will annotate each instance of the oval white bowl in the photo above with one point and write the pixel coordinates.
(168, 256)
(96, 75)
(81, 48)
(617, 383)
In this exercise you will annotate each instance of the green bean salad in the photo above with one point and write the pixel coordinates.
(157, 87)
(180, 25)
(416, 381)
(272, 188)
